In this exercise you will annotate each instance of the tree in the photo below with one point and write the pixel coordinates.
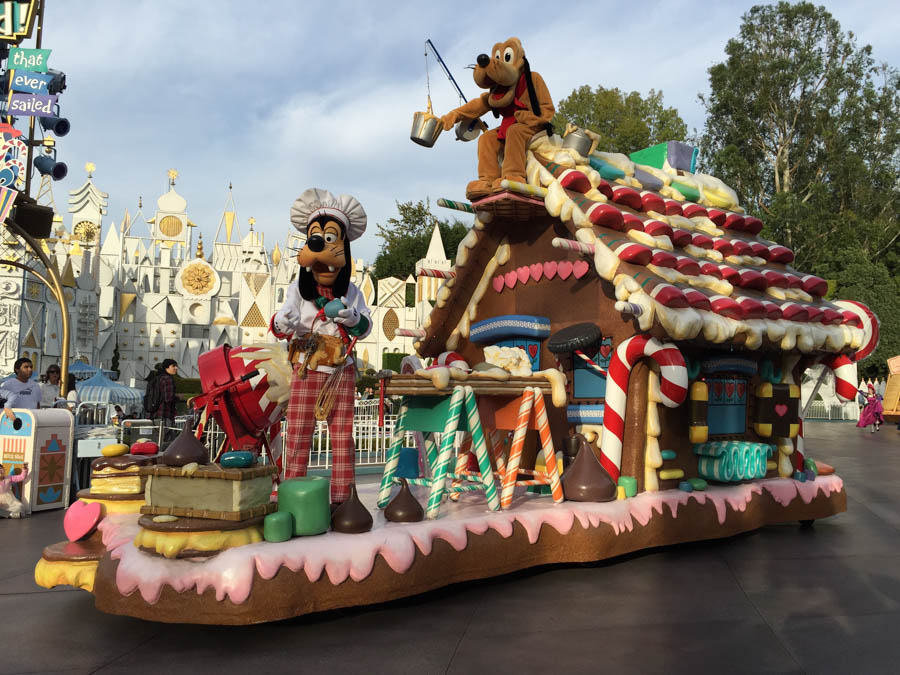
(625, 122)
(405, 239)
(806, 127)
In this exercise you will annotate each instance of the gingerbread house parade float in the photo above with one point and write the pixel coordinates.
(613, 363)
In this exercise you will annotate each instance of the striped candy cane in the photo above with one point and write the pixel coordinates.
(673, 380)
(479, 446)
(543, 425)
(844, 376)
(392, 460)
(443, 464)
(515, 450)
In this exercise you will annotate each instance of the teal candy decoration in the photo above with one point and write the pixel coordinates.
(810, 465)
(768, 373)
(685, 486)
(333, 307)
(693, 368)
(698, 484)
(732, 461)
(408, 466)
(237, 460)
(668, 454)
(278, 526)
(306, 499)
(800, 476)
(607, 171)
(630, 485)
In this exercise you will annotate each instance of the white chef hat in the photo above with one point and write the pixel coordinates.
(316, 202)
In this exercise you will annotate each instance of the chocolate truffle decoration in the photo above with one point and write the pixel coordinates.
(351, 517)
(586, 480)
(185, 449)
(404, 507)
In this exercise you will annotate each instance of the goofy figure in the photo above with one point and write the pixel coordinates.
(323, 315)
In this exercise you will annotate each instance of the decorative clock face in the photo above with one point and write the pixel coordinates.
(86, 231)
(170, 226)
(197, 278)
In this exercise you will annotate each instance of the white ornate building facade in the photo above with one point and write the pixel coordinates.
(147, 290)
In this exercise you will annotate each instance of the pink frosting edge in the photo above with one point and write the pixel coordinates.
(343, 556)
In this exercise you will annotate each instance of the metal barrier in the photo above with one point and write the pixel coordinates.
(372, 441)
(819, 410)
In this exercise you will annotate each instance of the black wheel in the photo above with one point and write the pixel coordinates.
(578, 336)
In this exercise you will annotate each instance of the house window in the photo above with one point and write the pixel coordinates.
(727, 406)
(590, 375)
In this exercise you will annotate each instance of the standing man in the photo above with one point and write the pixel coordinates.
(50, 388)
(20, 391)
(165, 383)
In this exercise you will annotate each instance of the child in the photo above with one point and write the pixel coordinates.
(10, 507)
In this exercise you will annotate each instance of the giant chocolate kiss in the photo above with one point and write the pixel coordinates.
(586, 480)
(351, 517)
(185, 449)
(404, 507)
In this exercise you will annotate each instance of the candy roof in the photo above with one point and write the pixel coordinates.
(697, 269)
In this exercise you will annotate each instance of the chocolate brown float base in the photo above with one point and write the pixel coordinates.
(289, 594)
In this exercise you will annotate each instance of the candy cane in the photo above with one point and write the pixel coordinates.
(591, 363)
(844, 376)
(869, 325)
(673, 387)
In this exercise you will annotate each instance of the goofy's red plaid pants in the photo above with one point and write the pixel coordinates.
(301, 423)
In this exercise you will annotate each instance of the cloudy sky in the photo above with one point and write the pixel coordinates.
(279, 96)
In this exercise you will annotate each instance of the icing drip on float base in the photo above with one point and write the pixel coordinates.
(352, 556)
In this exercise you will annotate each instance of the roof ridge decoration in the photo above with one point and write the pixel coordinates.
(698, 268)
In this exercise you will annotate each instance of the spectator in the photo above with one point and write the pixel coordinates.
(20, 391)
(50, 387)
(165, 381)
(10, 507)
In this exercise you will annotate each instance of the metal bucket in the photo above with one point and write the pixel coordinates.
(425, 129)
(579, 141)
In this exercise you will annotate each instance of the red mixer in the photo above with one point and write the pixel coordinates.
(234, 394)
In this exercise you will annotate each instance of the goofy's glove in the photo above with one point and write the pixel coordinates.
(349, 316)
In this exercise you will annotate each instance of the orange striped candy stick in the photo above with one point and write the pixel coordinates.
(515, 451)
(543, 425)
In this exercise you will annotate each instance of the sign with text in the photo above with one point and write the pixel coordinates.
(31, 105)
(28, 82)
(16, 20)
(34, 60)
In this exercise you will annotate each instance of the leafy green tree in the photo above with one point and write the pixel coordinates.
(625, 122)
(405, 239)
(806, 127)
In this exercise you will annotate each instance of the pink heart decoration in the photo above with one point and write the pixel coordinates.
(565, 269)
(550, 269)
(81, 520)
(498, 283)
(510, 279)
(523, 273)
(532, 350)
(781, 410)
(580, 268)
(729, 388)
(537, 270)
(605, 350)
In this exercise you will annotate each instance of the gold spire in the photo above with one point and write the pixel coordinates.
(276, 255)
(90, 167)
(200, 245)
(252, 222)
(173, 174)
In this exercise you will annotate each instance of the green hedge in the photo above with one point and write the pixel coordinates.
(391, 361)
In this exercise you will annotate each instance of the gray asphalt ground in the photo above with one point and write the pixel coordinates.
(781, 599)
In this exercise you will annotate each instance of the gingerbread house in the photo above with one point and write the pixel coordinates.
(682, 332)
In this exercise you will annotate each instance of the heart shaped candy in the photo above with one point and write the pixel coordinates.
(781, 410)
(605, 350)
(523, 273)
(532, 350)
(580, 268)
(565, 269)
(510, 279)
(537, 270)
(550, 269)
(498, 283)
(81, 520)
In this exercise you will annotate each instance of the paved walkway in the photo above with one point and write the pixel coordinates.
(782, 599)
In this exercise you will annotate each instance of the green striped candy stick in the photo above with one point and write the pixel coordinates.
(481, 453)
(392, 460)
(443, 463)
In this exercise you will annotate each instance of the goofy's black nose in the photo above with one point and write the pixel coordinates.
(483, 60)
(316, 243)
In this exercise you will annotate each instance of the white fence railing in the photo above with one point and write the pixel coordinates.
(371, 439)
(820, 410)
